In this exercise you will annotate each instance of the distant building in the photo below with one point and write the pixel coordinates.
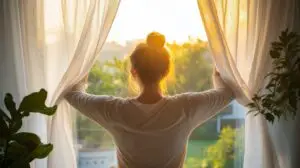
(97, 159)
(113, 49)
(233, 115)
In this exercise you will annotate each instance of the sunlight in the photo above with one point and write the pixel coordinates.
(179, 20)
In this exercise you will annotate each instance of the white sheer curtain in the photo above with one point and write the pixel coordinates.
(51, 44)
(240, 33)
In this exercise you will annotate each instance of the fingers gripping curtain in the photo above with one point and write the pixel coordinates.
(240, 33)
(52, 44)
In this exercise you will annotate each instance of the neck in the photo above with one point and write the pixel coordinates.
(150, 94)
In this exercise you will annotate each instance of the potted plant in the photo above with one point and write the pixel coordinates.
(281, 94)
(18, 149)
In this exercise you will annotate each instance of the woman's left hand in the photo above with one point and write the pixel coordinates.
(81, 85)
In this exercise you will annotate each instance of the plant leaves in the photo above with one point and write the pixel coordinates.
(4, 116)
(266, 103)
(274, 54)
(21, 163)
(4, 133)
(283, 81)
(33, 144)
(269, 117)
(41, 151)
(30, 140)
(277, 45)
(11, 106)
(23, 147)
(255, 97)
(277, 113)
(16, 151)
(293, 100)
(251, 105)
(35, 102)
(15, 126)
(270, 85)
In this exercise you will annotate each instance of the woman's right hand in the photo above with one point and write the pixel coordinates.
(81, 85)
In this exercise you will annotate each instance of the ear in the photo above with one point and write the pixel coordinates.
(133, 72)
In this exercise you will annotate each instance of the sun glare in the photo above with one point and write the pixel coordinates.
(179, 20)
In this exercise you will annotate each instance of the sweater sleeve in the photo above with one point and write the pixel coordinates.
(204, 105)
(97, 108)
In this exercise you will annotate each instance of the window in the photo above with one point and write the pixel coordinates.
(228, 110)
(218, 142)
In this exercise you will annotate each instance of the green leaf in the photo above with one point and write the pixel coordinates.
(270, 117)
(293, 43)
(293, 99)
(285, 32)
(30, 140)
(291, 36)
(16, 151)
(41, 151)
(277, 45)
(270, 85)
(274, 54)
(27, 147)
(33, 144)
(251, 111)
(21, 163)
(35, 102)
(4, 133)
(277, 113)
(15, 126)
(4, 116)
(251, 105)
(255, 97)
(11, 106)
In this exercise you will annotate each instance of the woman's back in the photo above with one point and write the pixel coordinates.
(151, 138)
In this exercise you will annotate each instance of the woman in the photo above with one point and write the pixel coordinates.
(151, 130)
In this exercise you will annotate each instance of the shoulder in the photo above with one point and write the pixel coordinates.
(179, 99)
(190, 99)
(182, 96)
(113, 99)
(118, 102)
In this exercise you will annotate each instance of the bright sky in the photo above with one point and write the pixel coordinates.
(176, 19)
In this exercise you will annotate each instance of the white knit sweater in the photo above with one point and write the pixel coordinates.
(153, 138)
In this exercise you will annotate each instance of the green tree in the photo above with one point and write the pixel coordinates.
(109, 78)
(228, 148)
(192, 67)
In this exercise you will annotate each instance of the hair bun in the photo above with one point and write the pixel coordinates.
(156, 40)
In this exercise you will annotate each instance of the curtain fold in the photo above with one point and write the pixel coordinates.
(240, 33)
(51, 44)
(85, 27)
